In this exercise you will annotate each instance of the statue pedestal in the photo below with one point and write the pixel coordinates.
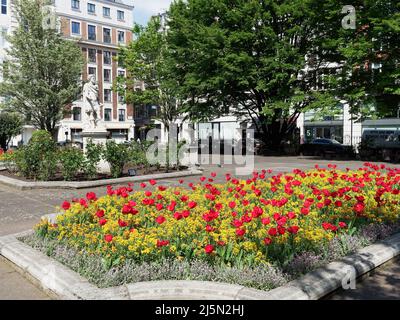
(97, 136)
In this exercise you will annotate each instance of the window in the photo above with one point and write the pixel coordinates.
(107, 114)
(121, 36)
(3, 6)
(121, 15)
(121, 115)
(91, 8)
(121, 98)
(92, 32)
(107, 57)
(76, 135)
(121, 73)
(76, 113)
(92, 55)
(92, 71)
(107, 95)
(76, 27)
(106, 12)
(106, 35)
(75, 4)
(107, 75)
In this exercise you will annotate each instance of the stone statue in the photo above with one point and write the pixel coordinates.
(91, 102)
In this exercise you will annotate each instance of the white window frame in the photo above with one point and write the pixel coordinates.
(91, 5)
(121, 42)
(80, 28)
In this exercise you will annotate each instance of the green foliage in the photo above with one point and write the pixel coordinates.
(148, 60)
(370, 73)
(248, 56)
(117, 155)
(42, 72)
(92, 158)
(137, 152)
(38, 159)
(72, 161)
(10, 126)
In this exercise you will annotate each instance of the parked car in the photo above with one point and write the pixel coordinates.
(325, 147)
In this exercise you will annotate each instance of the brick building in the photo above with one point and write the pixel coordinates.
(100, 27)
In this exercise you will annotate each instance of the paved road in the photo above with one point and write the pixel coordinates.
(21, 210)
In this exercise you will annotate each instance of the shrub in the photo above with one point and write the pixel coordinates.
(137, 155)
(38, 158)
(72, 161)
(117, 155)
(92, 158)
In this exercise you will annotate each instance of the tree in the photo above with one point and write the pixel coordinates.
(148, 61)
(370, 76)
(248, 57)
(42, 72)
(10, 126)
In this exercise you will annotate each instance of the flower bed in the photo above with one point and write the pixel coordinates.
(4, 156)
(264, 222)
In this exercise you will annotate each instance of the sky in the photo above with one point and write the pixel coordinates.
(144, 9)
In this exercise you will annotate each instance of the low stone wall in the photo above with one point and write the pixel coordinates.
(24, 185)
(66, 284)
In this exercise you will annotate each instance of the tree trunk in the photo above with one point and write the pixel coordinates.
(3, 144)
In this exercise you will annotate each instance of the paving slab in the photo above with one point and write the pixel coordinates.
(383, 284)
(16, 287)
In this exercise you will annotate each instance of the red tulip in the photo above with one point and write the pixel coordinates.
(108, 237)
(209, 248)
(240, 232)
(305, 211)
(91, 196)
(293, 229)
(272, 232)
(178, 216)
(160, 219)
(192, 204)
(265, 221)
(162, 243)
(126, 209)
(100, 213)
(267, 241)
(122, 223)
(66, 205)
(232, 204)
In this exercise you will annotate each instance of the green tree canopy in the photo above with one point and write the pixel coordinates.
(10, 126)
(371, 59)
(148, 62)
(42, 72)
(248, 57)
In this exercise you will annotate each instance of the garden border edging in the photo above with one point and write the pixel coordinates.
(67, 284)
(28, 185)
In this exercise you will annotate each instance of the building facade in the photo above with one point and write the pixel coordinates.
(100, 27)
